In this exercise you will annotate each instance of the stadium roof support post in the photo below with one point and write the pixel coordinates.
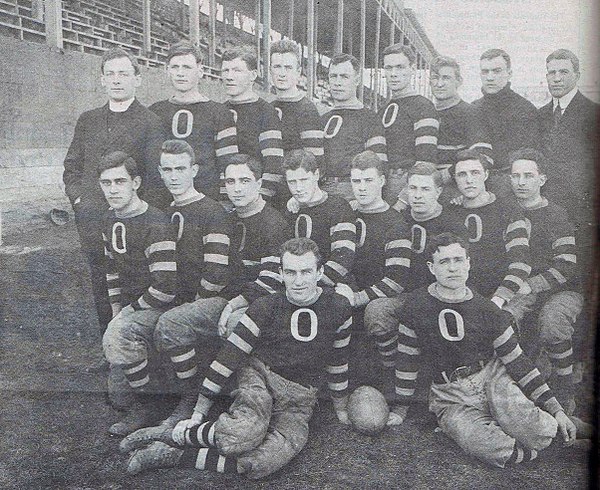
(266, 41)
(212, 32)
(53, 25)
(291, 20)
(363, 37)
(195, 22)
(310, 41)
(146, 27)
(392, 32)
(257, 29)
(376, 59)
(339, 33)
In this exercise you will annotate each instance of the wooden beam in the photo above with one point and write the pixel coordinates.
(363, 21)
(194, 26)
(339, 33)
(266, 41)
(392, 32)
(146, 28)
(212, 32)
(53, 15)
(310, 41)
(376, 55)
(291, 20)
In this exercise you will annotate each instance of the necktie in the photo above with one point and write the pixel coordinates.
(557, 113)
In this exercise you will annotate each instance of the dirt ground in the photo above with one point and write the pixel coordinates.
(54, 415)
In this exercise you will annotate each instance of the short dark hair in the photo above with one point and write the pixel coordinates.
(178, 147)
(444, 240)
(287, 46)
(116, 159)
(116, 53)
(400, 48)
(368, 159)
(300, 158)
(495, 53)
(529, 154)
(301, 246)
(426, 168)
(465, 155)
(340, 58)
(182, 48)
(443, 61)
(564, 54)
(242, 159)
(246, 53)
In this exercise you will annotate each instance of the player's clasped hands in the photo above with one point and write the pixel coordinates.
(222, 324)
(183, 426)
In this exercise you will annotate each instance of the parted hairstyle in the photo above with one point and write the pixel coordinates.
(116, 159)
(287, 46)
(368, 159)
(444, 240)
(300, 246)
(116, 53)
(340, 58)
(400, 48)
(464, 155)
(242, 159)
(564, 54)
(246, 53)
(183, 47)
(443, 61)
(495, 53)
(300, 158)
(529, 154)
(426, 168)
(178, 147)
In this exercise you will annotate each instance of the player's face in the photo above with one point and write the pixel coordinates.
(343, 81)
(561, 77)
(494, 74)
(285, 71)
(300, 276)
(237, 78)
(241, 185)
(119, 79)
(398, 72)
(119, 187)
(366, 185)
(450, 266)
(526, 180)
(470, 178)
(177, 172)
(423, 194)
(444, 84)
(302, 184)
(184, 72)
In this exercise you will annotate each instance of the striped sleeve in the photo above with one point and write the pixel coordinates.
(516, 244)
(425, 129)
(216, 243)
(407, 363)
(113, 280)
(226, 142)
(337, 368)
(160, 254)
(522, 369)
(311, 134)
(376, 141)
(343, 247)
(477, 137)
(271, 149)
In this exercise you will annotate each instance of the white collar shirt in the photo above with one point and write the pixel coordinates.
(565, 100)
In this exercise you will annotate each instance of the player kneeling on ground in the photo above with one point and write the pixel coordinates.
(474, 356)
(279, 349)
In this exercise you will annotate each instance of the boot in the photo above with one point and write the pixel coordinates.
(156, 455)
(140, 414)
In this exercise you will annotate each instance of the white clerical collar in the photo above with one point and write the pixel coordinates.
(565, 100)
(115, 106)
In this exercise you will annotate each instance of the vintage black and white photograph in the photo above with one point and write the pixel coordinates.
(298, 244)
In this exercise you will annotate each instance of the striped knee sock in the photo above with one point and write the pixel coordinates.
(185, 362)
(521, 455)
(137, 373)
(209, 459)
(202, 435)
(386, 346)
(561, 357)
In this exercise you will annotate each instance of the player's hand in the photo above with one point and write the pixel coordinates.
(525, 289)
(293, 206)
(346, 291)
(225, 314)
(458, 200)
(397, 416)
(116, 309)
(566, 428)
(180, 429)
(342, 416)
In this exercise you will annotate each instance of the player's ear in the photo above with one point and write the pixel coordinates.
(195, 168)
(138, 80)
(430, 266)
(137, 182)
(320, 272)
(543, 179)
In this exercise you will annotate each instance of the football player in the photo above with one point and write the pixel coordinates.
(280, 349)
(485, 392)
(191, 116)
(349, 127)
(257, 122)
(553, 289)
(410, 121)
(139, 244)
(328, 220)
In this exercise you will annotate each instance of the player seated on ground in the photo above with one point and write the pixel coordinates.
(485, 392)
(426, 218)
(553, 291)
(328, 220)
(497, 231)
(141, 270)
(203, 256)
(280, 349)
(258, 232)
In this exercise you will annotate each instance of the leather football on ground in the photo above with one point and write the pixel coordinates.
(367, 410)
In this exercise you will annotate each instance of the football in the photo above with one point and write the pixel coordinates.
(367, 410)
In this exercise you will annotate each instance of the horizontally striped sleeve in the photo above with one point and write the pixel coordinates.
(343, 247)
(337, 367)
(376, 141)
(477, 137)
(226, 142)
(160, 254)
(216, 243)
(516, 244)
(271, 149)
(311, 134)
(522, 369)
(425, 129)
(407, 362)
(112, 275)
